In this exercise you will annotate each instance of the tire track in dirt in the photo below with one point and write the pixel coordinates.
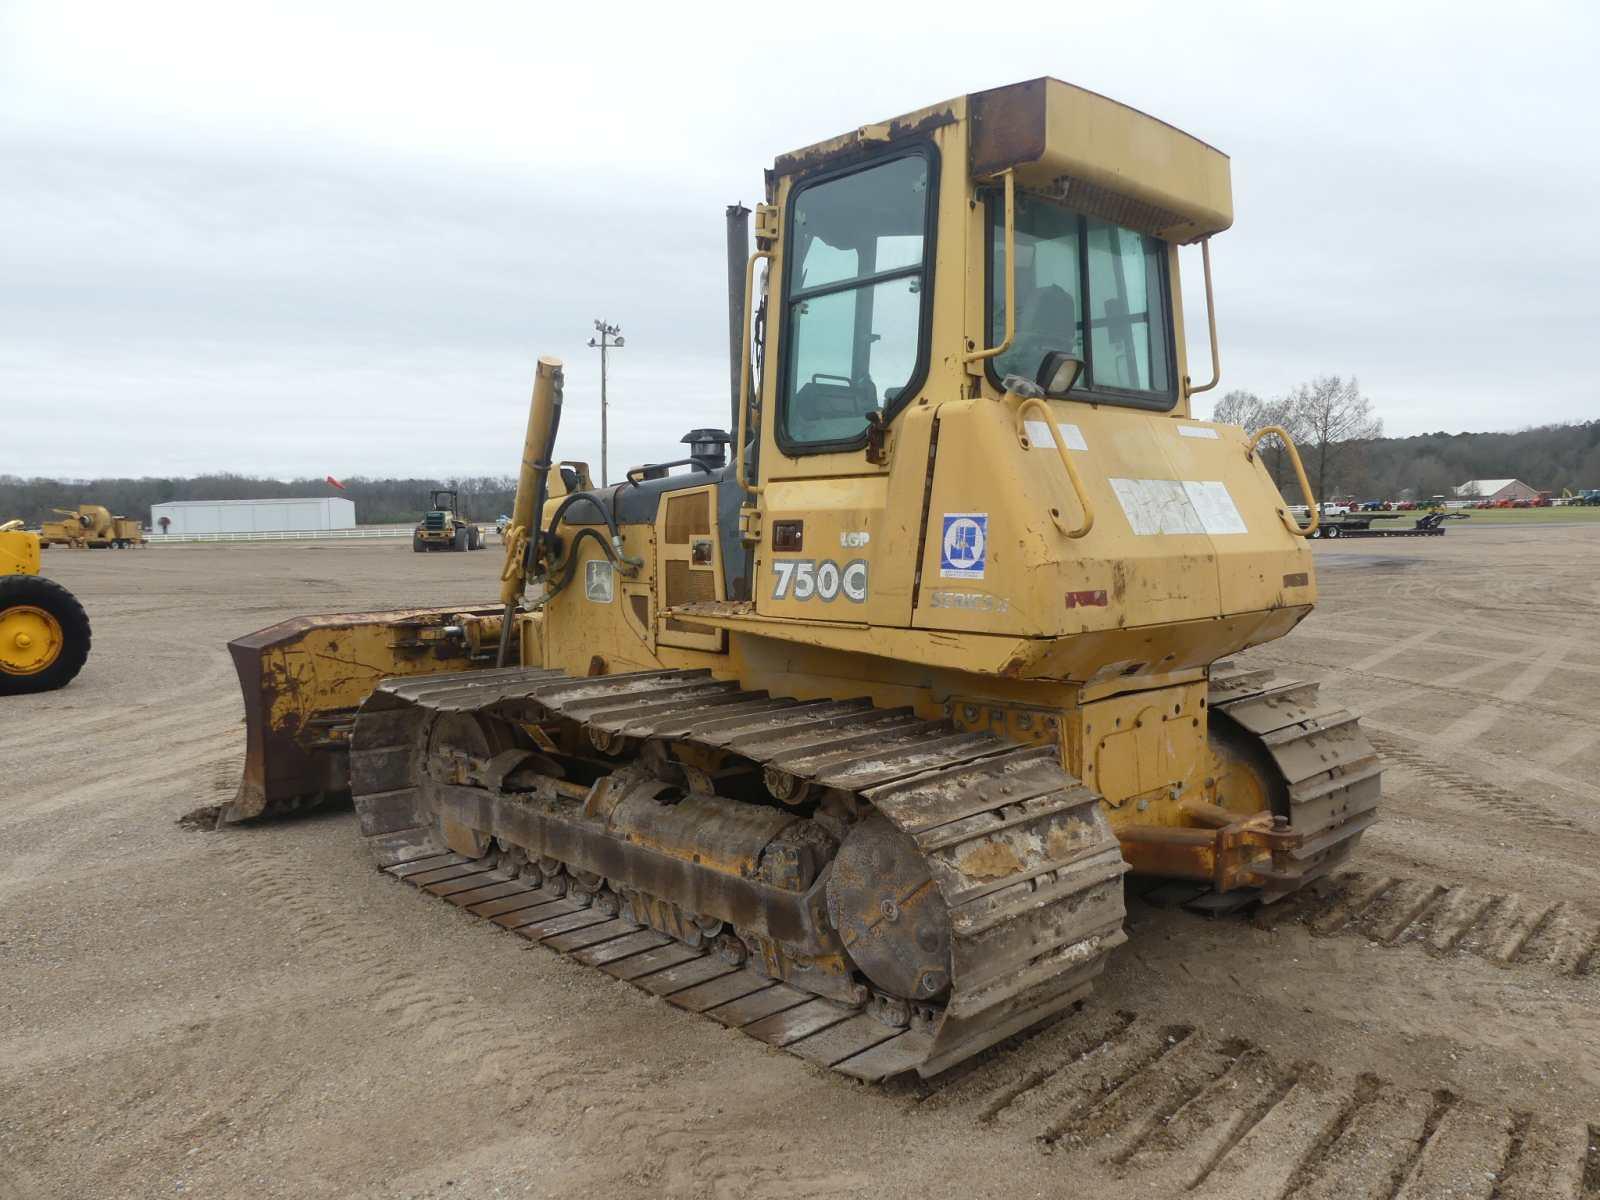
(428, 1004)
(1480, 791)
(1498, 800)
(1438, 687)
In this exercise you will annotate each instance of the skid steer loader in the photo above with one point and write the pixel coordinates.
(849, 742)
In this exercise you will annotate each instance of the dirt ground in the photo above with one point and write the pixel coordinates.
(257, 1012)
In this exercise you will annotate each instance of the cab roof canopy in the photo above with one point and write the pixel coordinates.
(1078, 146)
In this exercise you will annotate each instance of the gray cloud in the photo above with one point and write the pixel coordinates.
(335, 240)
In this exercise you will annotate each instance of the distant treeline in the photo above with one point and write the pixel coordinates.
(1340, 435)
(377, 501)
(1550, 458)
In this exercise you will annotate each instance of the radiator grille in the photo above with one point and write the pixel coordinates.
(687, 516)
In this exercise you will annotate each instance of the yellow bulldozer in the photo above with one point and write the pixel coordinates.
(91, 526)
(849, 741)
(44, 632)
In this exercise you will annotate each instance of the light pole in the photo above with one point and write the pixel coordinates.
(610, 339)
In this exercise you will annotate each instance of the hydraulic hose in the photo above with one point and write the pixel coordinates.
(606, 514)
(614, 551)
(570, 562)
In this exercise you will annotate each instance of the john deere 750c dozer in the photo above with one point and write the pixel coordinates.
(849, 743)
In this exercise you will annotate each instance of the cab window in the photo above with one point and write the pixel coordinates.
(1088, 288)
(855, 305)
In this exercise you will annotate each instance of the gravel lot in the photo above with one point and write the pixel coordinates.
(257, 1012)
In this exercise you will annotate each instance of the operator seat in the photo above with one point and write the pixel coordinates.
(830, 407)
(1046, 321)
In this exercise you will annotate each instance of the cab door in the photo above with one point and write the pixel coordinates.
(845, 429)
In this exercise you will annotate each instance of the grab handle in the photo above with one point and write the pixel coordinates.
(1087, 524)
(744, 372)
(1294, 526)
(1010, 242)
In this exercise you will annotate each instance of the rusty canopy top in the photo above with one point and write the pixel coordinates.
(1069, 143)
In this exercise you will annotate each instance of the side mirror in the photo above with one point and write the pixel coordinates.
(1057, 374)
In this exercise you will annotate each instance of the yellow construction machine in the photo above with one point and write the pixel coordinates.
(91, 526)
(444, 526)
(849, 742)
(44, 632)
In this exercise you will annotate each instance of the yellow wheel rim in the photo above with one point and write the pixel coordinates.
(30, 640)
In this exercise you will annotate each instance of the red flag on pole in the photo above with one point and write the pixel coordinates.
(335, 483)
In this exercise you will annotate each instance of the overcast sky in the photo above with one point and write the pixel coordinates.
(332, 237)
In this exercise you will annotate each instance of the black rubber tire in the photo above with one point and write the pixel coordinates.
(474, 538)
(38, 592)
(459, 541)
(417, 544)
(1333, 531)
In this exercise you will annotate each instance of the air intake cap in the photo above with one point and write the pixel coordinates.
(708, 447)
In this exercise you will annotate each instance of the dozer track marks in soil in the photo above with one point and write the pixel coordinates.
(974, 883)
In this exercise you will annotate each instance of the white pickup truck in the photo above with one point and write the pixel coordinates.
(1327, 509)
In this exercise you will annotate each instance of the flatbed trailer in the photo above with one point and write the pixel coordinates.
(1360, 525)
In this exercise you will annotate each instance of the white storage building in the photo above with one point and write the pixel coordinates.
(310, 514)
(1496, 489)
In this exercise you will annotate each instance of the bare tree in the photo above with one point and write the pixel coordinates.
(1333, 419)
(1251, 412)
(1241, 408)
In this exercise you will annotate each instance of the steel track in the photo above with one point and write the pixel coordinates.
(1019, 850)
(1329, 774)
(1027, 943)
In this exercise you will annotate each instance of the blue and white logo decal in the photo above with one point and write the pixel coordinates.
(965, 546)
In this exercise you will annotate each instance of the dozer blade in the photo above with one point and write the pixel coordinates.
(918, 893)
(302, 682)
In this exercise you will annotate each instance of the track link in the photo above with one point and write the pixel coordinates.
(1018, 850)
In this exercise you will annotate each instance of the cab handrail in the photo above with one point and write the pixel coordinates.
(1192, 389)
(744, 372)
(1293, 525)
(1078, 531)
(1011, 275)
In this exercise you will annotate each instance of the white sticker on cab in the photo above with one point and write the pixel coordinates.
(1197, 431)
(1155, 506)
(1039, 436)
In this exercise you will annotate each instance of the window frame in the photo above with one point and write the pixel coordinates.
(1124, 397)
(926, 150)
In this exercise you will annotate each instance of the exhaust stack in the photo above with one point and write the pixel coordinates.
(738, 250)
